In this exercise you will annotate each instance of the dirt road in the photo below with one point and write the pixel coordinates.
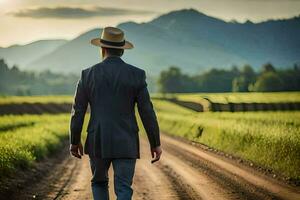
(185, 171)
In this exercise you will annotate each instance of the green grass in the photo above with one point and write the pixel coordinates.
(20, 146)
(270, 139)
(12, 122)
(250, 97)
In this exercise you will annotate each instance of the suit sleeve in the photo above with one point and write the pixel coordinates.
(78, 111)
(147, 114)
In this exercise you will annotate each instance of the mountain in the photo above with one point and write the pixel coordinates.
(72, 56)
(22, 55)
(275, 41)
(188, 39)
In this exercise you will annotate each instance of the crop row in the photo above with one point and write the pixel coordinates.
(21, 145)
(36, 99)
(11, 122)
(253, 97)
(270, 139)
(250, 97)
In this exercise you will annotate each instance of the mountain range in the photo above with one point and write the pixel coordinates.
(185, 38)
(23, 55)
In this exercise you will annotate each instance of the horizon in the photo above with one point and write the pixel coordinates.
(67, 19)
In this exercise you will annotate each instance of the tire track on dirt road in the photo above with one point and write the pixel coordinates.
(244, 182)
(65, 178)
(70, 180)
(184, 172)
(149, 182)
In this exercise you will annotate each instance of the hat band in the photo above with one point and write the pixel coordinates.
(117, 44)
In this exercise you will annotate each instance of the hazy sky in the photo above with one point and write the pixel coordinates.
(24, 21)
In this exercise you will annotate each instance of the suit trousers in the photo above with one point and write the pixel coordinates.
(123, 175)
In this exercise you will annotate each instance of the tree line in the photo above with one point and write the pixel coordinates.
(244, 79)
(13, 81)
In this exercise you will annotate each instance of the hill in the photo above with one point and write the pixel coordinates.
(188, 39)
(22, 55)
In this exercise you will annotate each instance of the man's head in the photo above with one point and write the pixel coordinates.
(106, 52)
(112, 42)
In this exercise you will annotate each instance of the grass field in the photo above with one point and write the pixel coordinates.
(253, 97)
(270, 139)
(38, 137)
(28, 138)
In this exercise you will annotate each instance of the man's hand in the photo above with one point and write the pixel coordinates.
(76, 150)
(157, 151)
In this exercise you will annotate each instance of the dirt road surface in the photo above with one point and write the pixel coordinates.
(185, 171)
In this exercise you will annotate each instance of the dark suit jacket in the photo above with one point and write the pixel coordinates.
(112, 88)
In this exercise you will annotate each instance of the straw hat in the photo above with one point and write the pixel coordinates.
(112, 37)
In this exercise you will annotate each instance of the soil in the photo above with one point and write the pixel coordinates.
(34, 108)
(185, 171)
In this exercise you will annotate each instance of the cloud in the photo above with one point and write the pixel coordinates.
(75, 12)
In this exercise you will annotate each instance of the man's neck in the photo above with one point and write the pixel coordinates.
(107, 56)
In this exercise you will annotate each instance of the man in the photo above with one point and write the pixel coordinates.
(112, 88)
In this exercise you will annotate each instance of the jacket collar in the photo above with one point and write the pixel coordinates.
(113, 59)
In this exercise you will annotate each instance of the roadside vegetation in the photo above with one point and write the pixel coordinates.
(12, 122)
(28, 138)
(19, 147)
(269, 139)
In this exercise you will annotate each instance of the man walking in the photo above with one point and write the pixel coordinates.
(112, 88)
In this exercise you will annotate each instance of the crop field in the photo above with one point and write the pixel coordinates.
(35, 104)
(270, 97)
(28, 138)
(253, 97)
(269, 139)
(236, 102)
(35, 99)
(24, 139)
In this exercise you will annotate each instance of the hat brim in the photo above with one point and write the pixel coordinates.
(97, 42)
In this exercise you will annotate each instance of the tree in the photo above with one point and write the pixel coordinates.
(3, 66)
(290, 78)
(13, 81)
(173, 81)
(217, 80)
(169, 80)
(247, 77)
(268, 82)
(268, 67)
(239, 84)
